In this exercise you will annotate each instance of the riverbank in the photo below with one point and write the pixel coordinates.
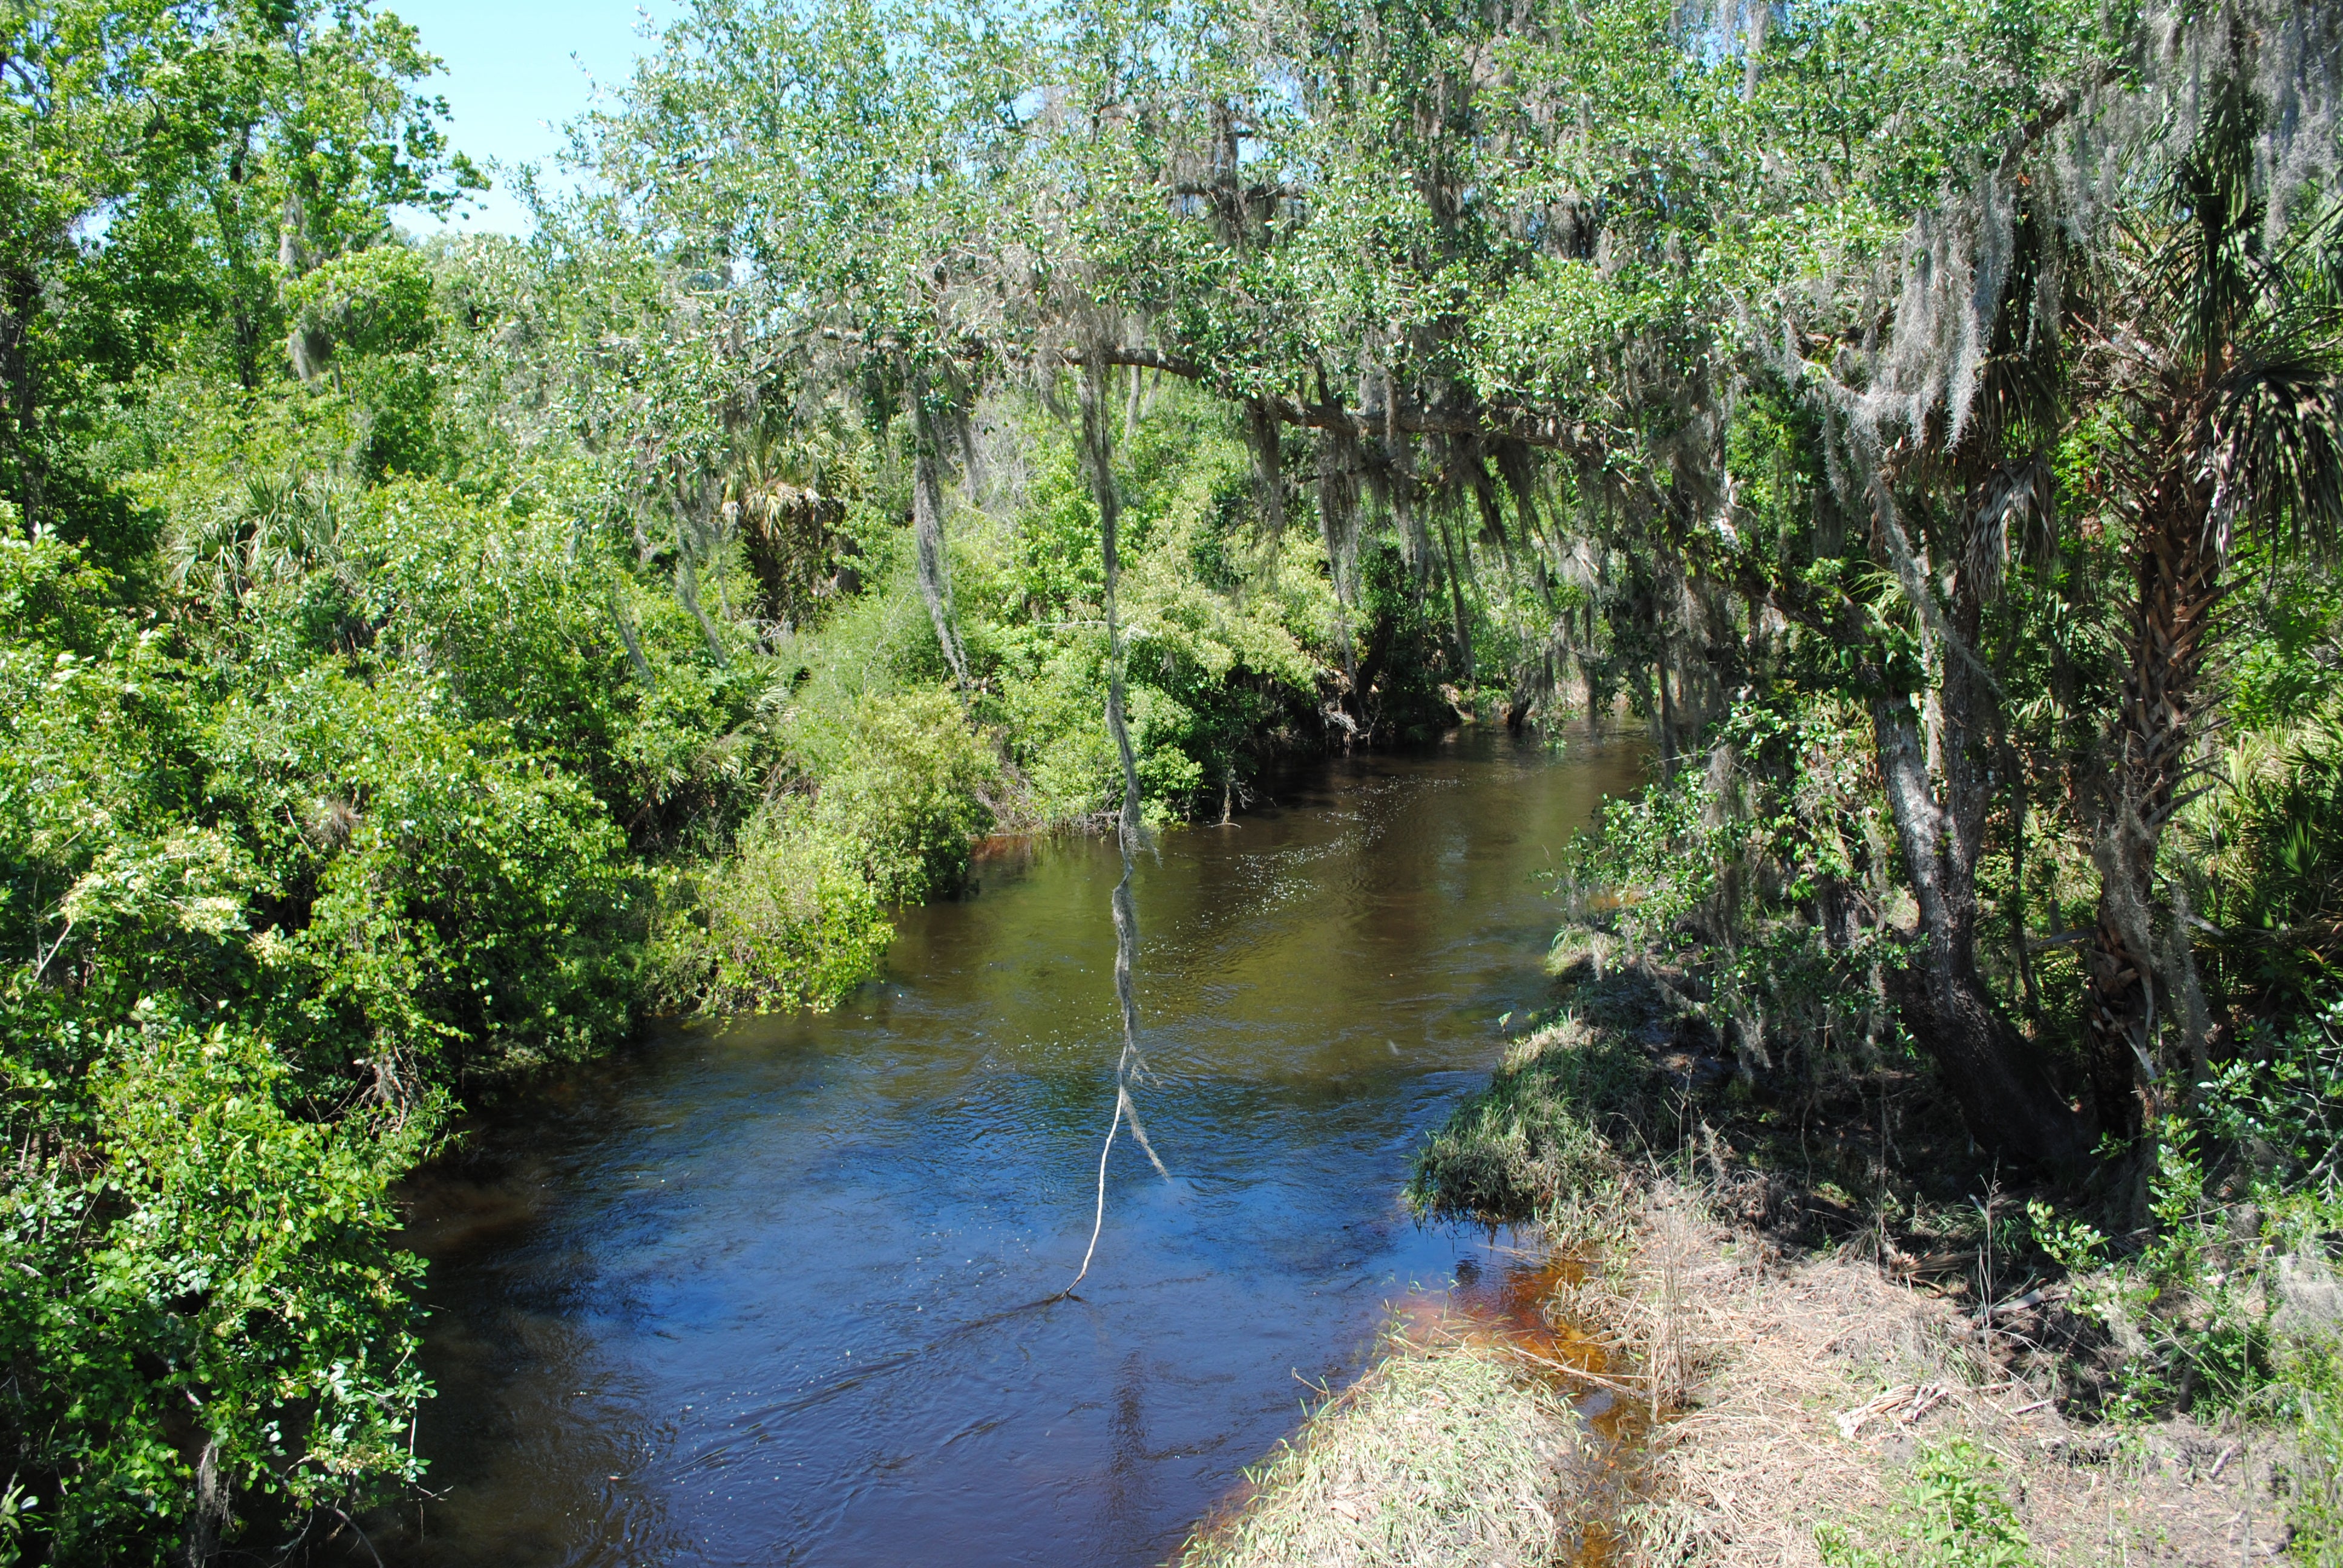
(1854, 1358)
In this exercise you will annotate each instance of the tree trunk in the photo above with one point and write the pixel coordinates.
(1268, 484)
(210, 1511)
(2177, 561)
(1940, 785)
(1456, 600)
(20, 308)
(306, 349)
(2008, 1105)
(1338, 525)
(687, 588)
(927, 532)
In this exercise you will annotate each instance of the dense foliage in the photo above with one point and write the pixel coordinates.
(419, 659)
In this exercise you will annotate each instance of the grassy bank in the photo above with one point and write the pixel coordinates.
(1434, 1459)
(1863, 1346)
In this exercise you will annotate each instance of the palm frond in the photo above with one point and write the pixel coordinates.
(2280, 445)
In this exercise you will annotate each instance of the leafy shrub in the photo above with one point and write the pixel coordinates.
(1739, 874)
(2277, 1107)
(219, 1298)
(1223, 664)
(523, 622)
(790, 919)
(2273, 834)
(902, 787)
(371, 312)
(2316, 1501)
(265, 902)
(2228, 1305)
(1953, 1515)
(371, 301)
(481, 901)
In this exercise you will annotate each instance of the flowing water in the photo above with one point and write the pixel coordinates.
(767, 1293)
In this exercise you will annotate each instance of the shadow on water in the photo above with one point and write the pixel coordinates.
(777, 1291)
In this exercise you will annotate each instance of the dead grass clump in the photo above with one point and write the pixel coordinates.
(1448, 1458)
(1770, 1360)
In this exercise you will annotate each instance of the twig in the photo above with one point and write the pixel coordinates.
(1597, 1379)
(359, 1533)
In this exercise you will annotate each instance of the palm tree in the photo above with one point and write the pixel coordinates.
(2224, 347)
(278, 528)
(773, 503)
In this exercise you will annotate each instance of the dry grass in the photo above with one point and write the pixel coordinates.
(1803, 1390)
(1753, 1459)
(1799, 1359)
(1795, 1394)
(1450, 1457)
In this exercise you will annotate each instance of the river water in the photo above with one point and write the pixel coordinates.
(766, 1294)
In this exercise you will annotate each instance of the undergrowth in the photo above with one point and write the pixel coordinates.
(2224, 1308)
(1952, 1513)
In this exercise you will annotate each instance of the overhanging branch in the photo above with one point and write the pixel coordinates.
(1549, 431)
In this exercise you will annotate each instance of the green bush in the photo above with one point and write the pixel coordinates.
(1953, 1515)
(479, 900)
(902, 786)
(1227, 636)
(2272, 836)
(789, 919)
(217, 1292)
(369, 313)
(2316, 1504)
(265, 902)
(1724, 870)
(521, 619)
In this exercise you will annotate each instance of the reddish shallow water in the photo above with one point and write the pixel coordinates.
(767, 1294)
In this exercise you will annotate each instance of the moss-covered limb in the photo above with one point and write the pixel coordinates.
(1448, 1458)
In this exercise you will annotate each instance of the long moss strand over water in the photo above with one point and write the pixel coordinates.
(1129, 828)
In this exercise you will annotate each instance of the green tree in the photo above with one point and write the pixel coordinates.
(2223, 348)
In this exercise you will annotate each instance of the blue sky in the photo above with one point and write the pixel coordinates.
(510, 79)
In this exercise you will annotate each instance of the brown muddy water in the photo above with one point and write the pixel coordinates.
(1507, 1297)
(767, 1293)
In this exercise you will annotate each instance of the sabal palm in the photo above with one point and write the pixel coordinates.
(279, 528)
(2226, 347)
(786, 523)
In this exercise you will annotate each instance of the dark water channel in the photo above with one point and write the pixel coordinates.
(762, 1294)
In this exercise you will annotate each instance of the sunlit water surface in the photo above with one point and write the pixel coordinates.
(764, 1293)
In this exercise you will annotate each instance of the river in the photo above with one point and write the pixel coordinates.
(765, 1293)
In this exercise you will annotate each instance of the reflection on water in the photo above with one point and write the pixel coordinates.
(767, 1293)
